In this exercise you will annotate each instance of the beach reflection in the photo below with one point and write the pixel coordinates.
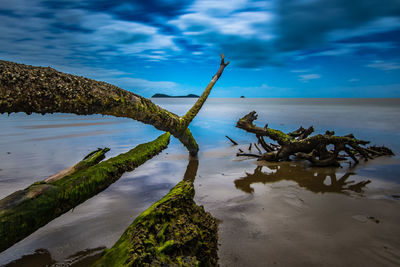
(317, 180)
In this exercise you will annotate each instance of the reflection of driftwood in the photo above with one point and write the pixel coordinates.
(309, 178)
(44, 90)
(24, 211)
(172, 232)
(312, 148)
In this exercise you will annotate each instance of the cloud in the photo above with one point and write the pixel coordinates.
(308, 77)
(241, 29)
(135, 84)
(70, 35)
(307, 24)
(384, 65)
(300, 71)
(251, 33)
(148, 11)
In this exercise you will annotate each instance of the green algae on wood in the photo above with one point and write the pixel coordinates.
(172, 232)
(26, 210)
(91, 159)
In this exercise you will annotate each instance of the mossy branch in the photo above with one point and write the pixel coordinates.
(24, 211)
(173, 232)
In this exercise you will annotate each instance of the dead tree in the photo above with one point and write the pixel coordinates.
(312, 148)
(44, 90)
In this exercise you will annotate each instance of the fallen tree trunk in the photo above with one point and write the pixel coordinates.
(172, 232)
(44, 90)
(24, 211)
(312, 148)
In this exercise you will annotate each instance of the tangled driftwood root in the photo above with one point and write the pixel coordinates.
(314, 148)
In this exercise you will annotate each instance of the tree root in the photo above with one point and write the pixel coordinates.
(314, 148)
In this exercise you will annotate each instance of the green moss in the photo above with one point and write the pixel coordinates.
(27, 210)
(92, 158)
(174, 231)
(280, 136)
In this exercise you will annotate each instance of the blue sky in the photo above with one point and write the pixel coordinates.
(282, 48)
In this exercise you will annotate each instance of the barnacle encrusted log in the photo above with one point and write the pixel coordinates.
(172, 232)
(312, 148)
(24, 211)
(44, 90)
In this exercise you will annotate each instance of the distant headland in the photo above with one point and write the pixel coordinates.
(180, 96)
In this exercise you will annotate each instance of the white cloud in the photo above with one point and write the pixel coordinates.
(308, 77)
(207, 16)
(299, 71)
(142, 85)
(379, 25)
(240, 24)
(384, 65)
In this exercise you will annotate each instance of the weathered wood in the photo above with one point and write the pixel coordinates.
(259, 150)
(26, 210)
(311, 148)
(233, 141)
(248, 155)
(34, 190)
(89, 160)
(44, 90)
(172, 232)
(189, 116)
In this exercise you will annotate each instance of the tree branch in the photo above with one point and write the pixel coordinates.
(189, 116)
(44, 90)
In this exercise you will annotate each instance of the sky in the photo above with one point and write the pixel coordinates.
(280, 48)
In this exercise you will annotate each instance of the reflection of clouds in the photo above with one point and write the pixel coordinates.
(49, 126)
(70, 135)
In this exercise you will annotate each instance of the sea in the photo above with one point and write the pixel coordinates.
(270, 214)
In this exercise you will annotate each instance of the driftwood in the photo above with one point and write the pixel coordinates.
(172, 232)
(24, 211)
(233, 141)
(44, 90)
(314, 148)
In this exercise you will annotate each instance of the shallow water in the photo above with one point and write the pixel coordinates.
(273, 214)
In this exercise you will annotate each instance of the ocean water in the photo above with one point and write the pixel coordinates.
(286, 214)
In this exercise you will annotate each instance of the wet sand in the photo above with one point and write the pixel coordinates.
(285, 214)
(271, 214)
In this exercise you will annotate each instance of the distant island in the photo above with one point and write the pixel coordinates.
(242, 96)
(179, 96)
